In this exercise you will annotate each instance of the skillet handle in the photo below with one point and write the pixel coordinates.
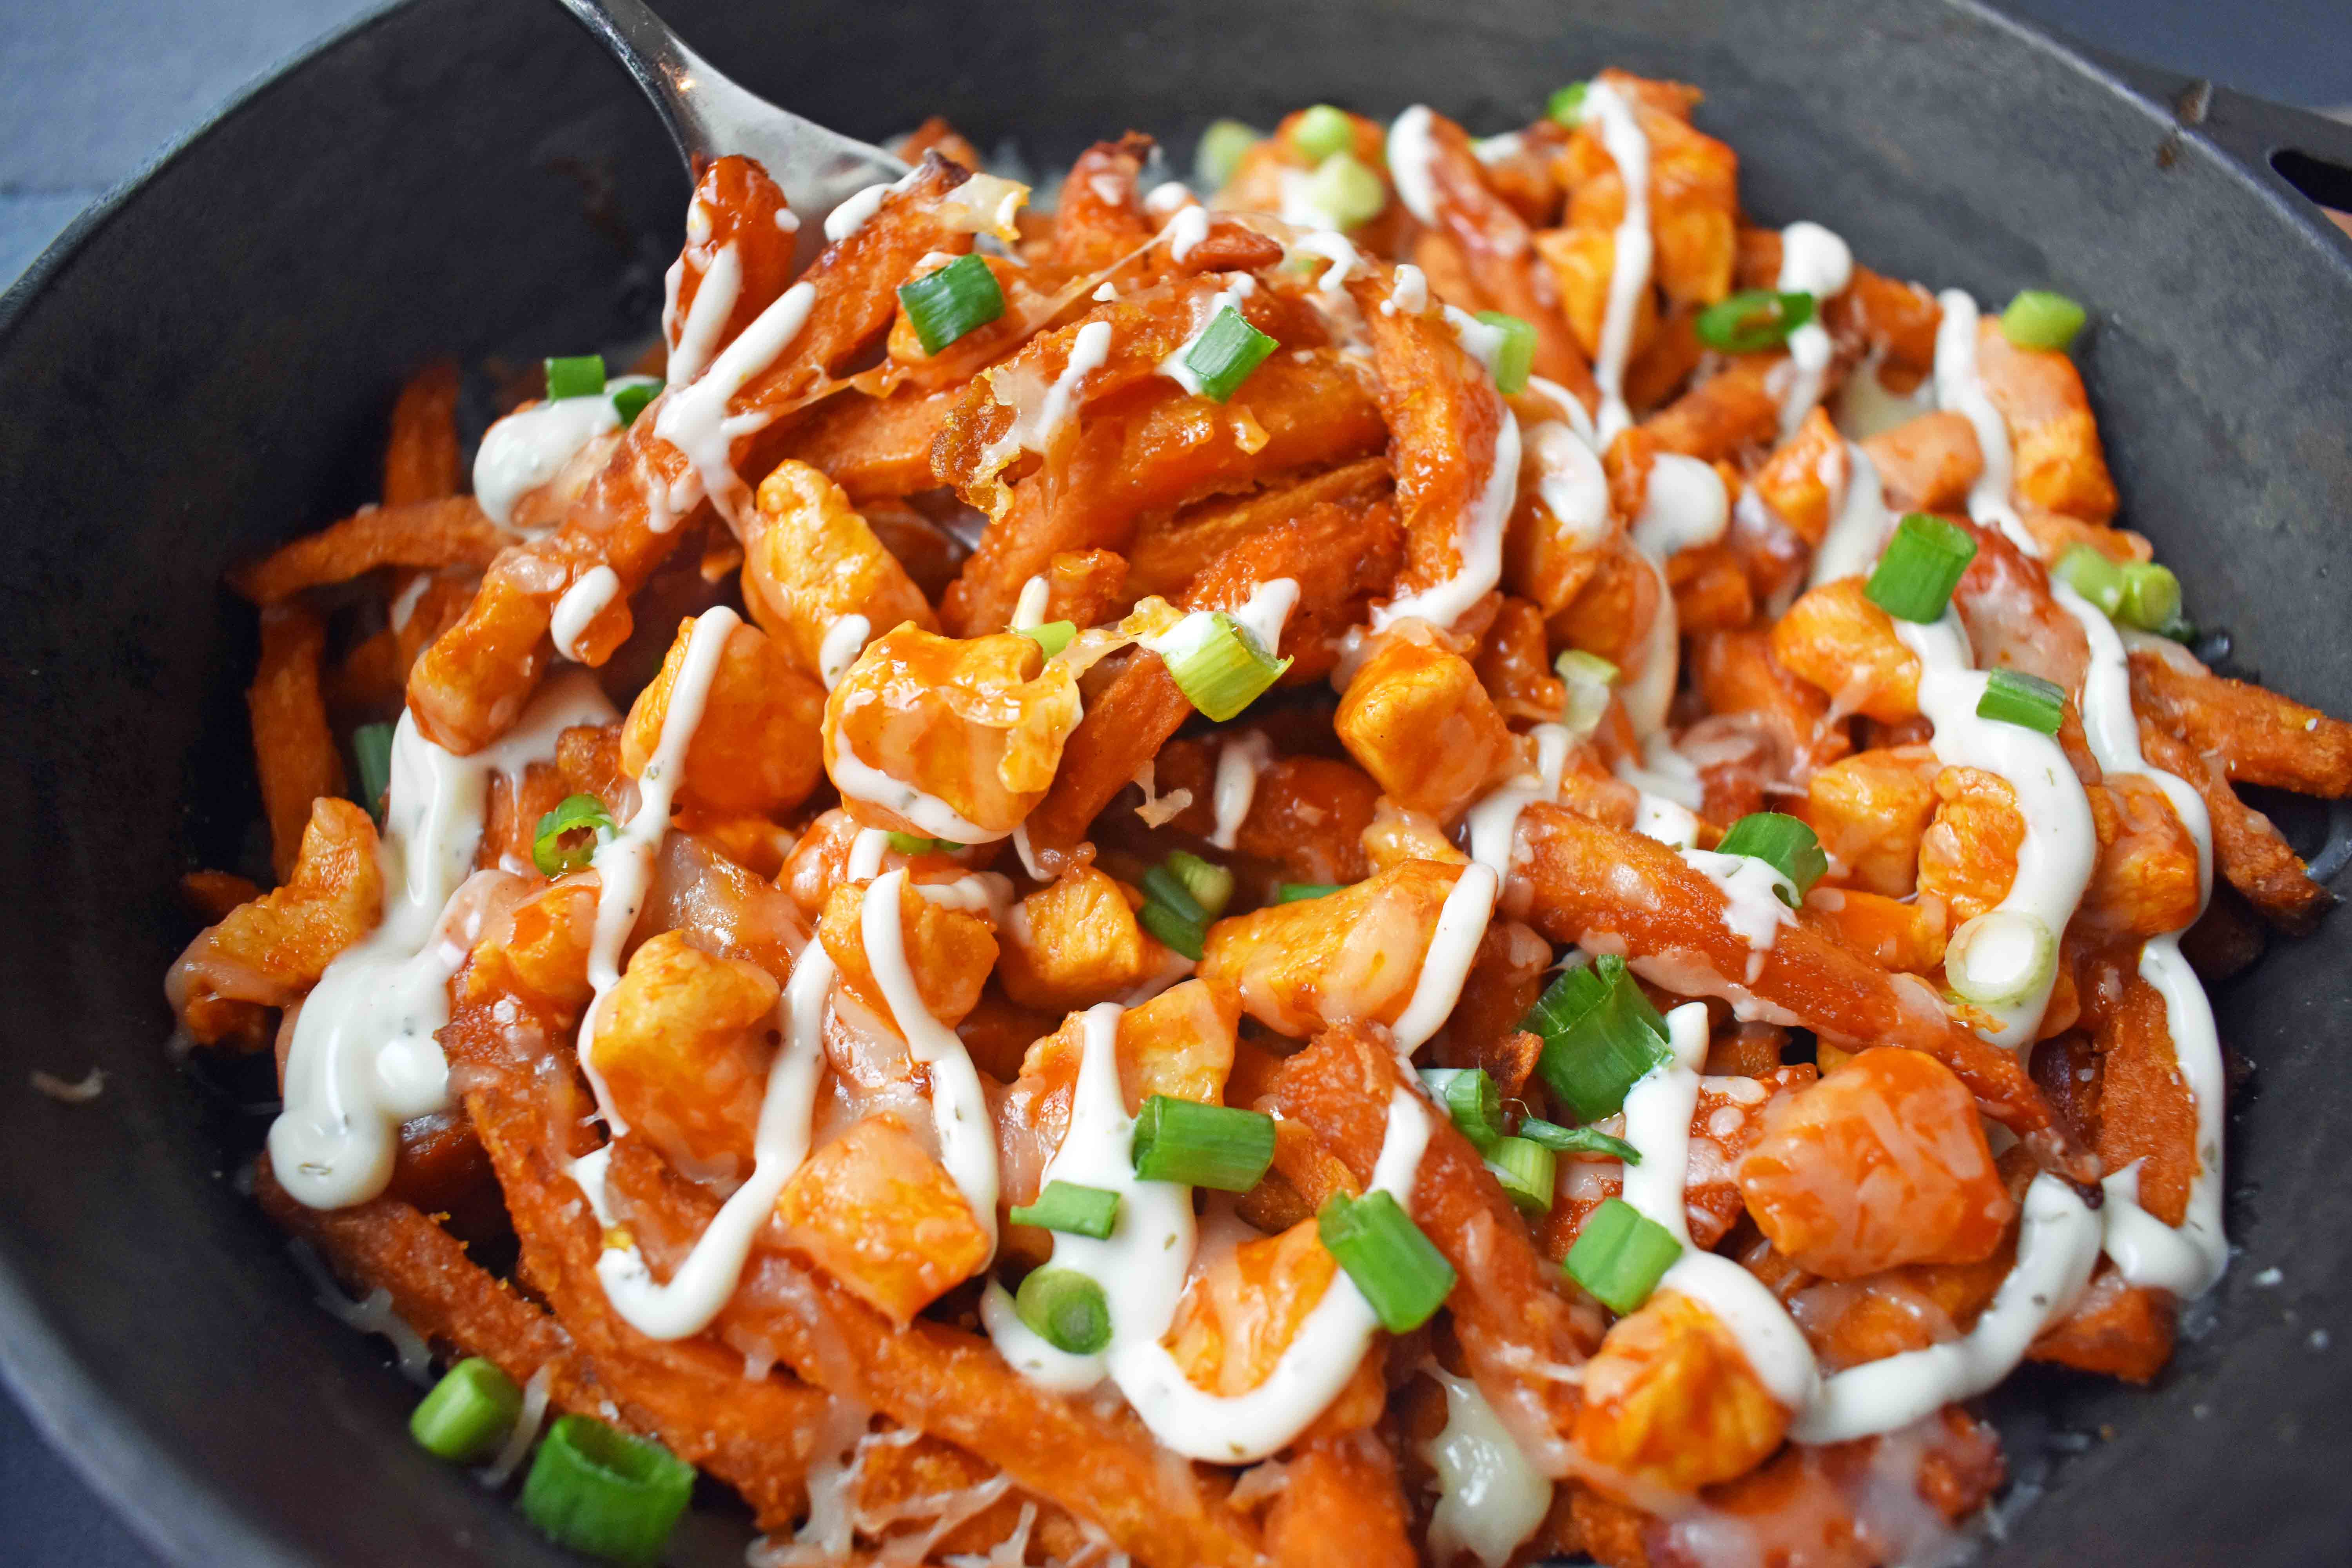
(2248, 131)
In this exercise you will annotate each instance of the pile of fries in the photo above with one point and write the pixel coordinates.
(885, 610)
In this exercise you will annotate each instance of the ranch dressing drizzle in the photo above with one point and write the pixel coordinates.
(1858, 533)
(958, 1105)
(530, 447)
(714, 302)
(2054, 862)
(1029, 610)
(625, 862)
(1570, 482)
(1142, 1266)
(2058, 1244)
(844, 638)
(363, 1058)
(1813, 261)
(2189, 1260)
(1410, 151)
(1174, 367)
(858, 780)
(1629, 271)
(1481, 545)
(581, 604)
(1239, 762)
(695, 420)
(1751, 890)
(1461, 922)
(1335, 249)
(1658, 1111)
(1959, 389)
(701, 1285)
(1493, 821)
(1489, 1497)
(1670, 791)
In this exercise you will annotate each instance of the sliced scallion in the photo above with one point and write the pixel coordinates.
(2001, 958)
(605, 1493)
(2151, 598)
(1403, 1275)
(2038, 318)
(1219, 152)
(1218, 1146)
(1322, 130)
(580, 376)
(2014, 697)
(1224, 669)
(1528, 1172)
(1053, 636)
(1587, 677)
(1067, 1206)
(1566, 105)
(2090, 573)
(1621, 1254)
(1782, 842)
(630, 401)
(468, 1414)
(1174, 932)
(1298, 892)
(1211, 885)
(372, 748)
(1600, 1036)
(1576, 1139)
(1753, 321)
(568, 836)
(1922, 564)
(1227, 350)
(1345, 190)
(1163, 886)
(1065, 1309)
(914, 844)
(1518, 355)
(943, 306)
(1470, 1097)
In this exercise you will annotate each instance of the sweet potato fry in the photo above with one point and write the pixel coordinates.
(1100, 216)
(1340, 1507)
(876, 448)
(1595, 884)
(2259, 736)
(421, 458)
(293, 750)
(2248, 850)
(1723, 414)
(1927, 464)
(1168, 555)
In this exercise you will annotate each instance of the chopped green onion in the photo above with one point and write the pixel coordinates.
(1587, 677)
(1576, 1139)
(1469, 1095)
(1403, 1275)
(1227, 350)
(1566, 105)
(2090, 573)
(1922, 564)
(1066, 1309)
(1201, 1145)
(1053, 636)
(2001, 958)
(581, 375)
(1066, 1206)
(914, 844)
(943, 306)
(1787, 844)
(1189, 937)
(1600, 1036)
(1211, 885)
(568, 836)
(468, 1414)
(2014, 697)
(605, 1493)
(2180, 629)
(2151, 596)
(1753, 320)
(1621, 1254)
(1163, 886)
(1220, 152)
(1345, 190)
(1518, 355)
(1299, 892)
(1224, 669)
(1528, 1171)
(2037, 319)
(630, 401)
(372, 746)
(1322, 130)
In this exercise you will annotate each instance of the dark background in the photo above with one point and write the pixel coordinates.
(91, 93)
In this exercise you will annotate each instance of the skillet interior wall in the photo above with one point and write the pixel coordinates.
(211, 373)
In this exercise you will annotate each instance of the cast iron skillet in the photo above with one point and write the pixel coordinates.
(202, 366)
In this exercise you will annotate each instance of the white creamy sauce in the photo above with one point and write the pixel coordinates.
(1959, 389)
(1409, 292)
(1683, 506)
(845, 637)
(1751, 890)
(581, 604)
(1670, 791)
(1490, 1498)
(858, 780)
(530, 447)
(702, 1284)
(1571, 408)
(1481, 545)
(403, 604)
(1570, 483)
(1460, 923)
(1240, 759)
(1186, 230)
(1648, 690)
(625, 862)
(1036, 429)
(1175, 367)
(1332, 247)
(1411, 150)
(1863, 407)
(694, 419)
(1629, 271)
(1029, 609)
(1858, 530)
(363, 1058)
(1493, 821)
(2188, 1261)
(2057, 1246)
(1166, 197)
(714, 302)
(2060, 845)
(959, 1104)
(1479, 341)
(1817, 262)
(855, 212)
